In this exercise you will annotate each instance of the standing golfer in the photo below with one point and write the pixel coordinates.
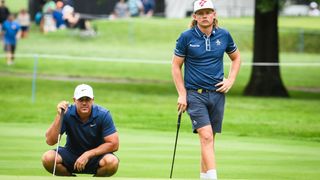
(202, 90)
(91, 138)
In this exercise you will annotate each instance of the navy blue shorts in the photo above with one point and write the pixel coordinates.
(10, 48)
(69, 158)
(206, 108)
(24, 28)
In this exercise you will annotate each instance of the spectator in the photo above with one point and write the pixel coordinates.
(38, 17)
(58, 16)
(135, 8)
(10, 30)
(148, 7)
(49, 6)
(4, 12)
(49, 24)
(24, 21)
(314, 11)
(121, 10)
(71, 18)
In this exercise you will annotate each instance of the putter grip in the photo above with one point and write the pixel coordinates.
(179, 118)
(61, 119)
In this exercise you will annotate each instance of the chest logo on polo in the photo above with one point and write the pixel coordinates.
(93, 125)
(218, 42)
(194, 45)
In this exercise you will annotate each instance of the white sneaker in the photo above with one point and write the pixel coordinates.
(10, 63)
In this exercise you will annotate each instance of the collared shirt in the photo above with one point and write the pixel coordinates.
(81, 136)
(204, 56)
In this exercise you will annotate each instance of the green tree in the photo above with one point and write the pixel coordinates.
(265, 79)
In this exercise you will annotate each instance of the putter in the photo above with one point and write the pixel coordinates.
(175, 144)
(58, 144)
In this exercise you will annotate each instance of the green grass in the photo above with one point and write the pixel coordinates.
(148, 154)
(16, 5)
(152, 106)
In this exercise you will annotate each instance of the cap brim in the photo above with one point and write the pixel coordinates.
(83, 96)
(202, 9)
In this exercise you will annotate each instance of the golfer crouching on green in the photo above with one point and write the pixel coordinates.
(91, 138)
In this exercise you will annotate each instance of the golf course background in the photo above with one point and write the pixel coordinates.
(128, 65)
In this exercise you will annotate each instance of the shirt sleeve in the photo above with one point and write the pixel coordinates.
(108, 127)
(181, 45)
(231, 47)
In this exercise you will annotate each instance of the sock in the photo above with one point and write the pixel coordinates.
(203, 176)
(212, 174)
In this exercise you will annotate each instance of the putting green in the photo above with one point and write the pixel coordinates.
(50, 178)
(147, 154)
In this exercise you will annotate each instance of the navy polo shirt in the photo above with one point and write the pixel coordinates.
(82, 137)
(204, 56)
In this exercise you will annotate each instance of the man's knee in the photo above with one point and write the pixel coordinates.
(109, 160)
(48, 156)
(48, 159)
(108, 165)
(206, 135)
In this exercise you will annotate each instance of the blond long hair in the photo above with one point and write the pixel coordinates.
(193, 23)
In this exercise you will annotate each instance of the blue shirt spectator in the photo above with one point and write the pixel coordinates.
(10, 30)
(148, 7)
(135, 7)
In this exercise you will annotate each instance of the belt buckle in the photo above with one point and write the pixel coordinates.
(200, 91)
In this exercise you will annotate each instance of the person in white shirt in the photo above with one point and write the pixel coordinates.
(23, 19)
(314, 11)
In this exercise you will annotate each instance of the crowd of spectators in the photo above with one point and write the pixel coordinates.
(133, 8)
(60, 15)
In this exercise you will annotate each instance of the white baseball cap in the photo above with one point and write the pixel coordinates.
(83, 90)
(202, 4)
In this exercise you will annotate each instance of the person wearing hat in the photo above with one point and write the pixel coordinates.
(91, 138)
(202, 88)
